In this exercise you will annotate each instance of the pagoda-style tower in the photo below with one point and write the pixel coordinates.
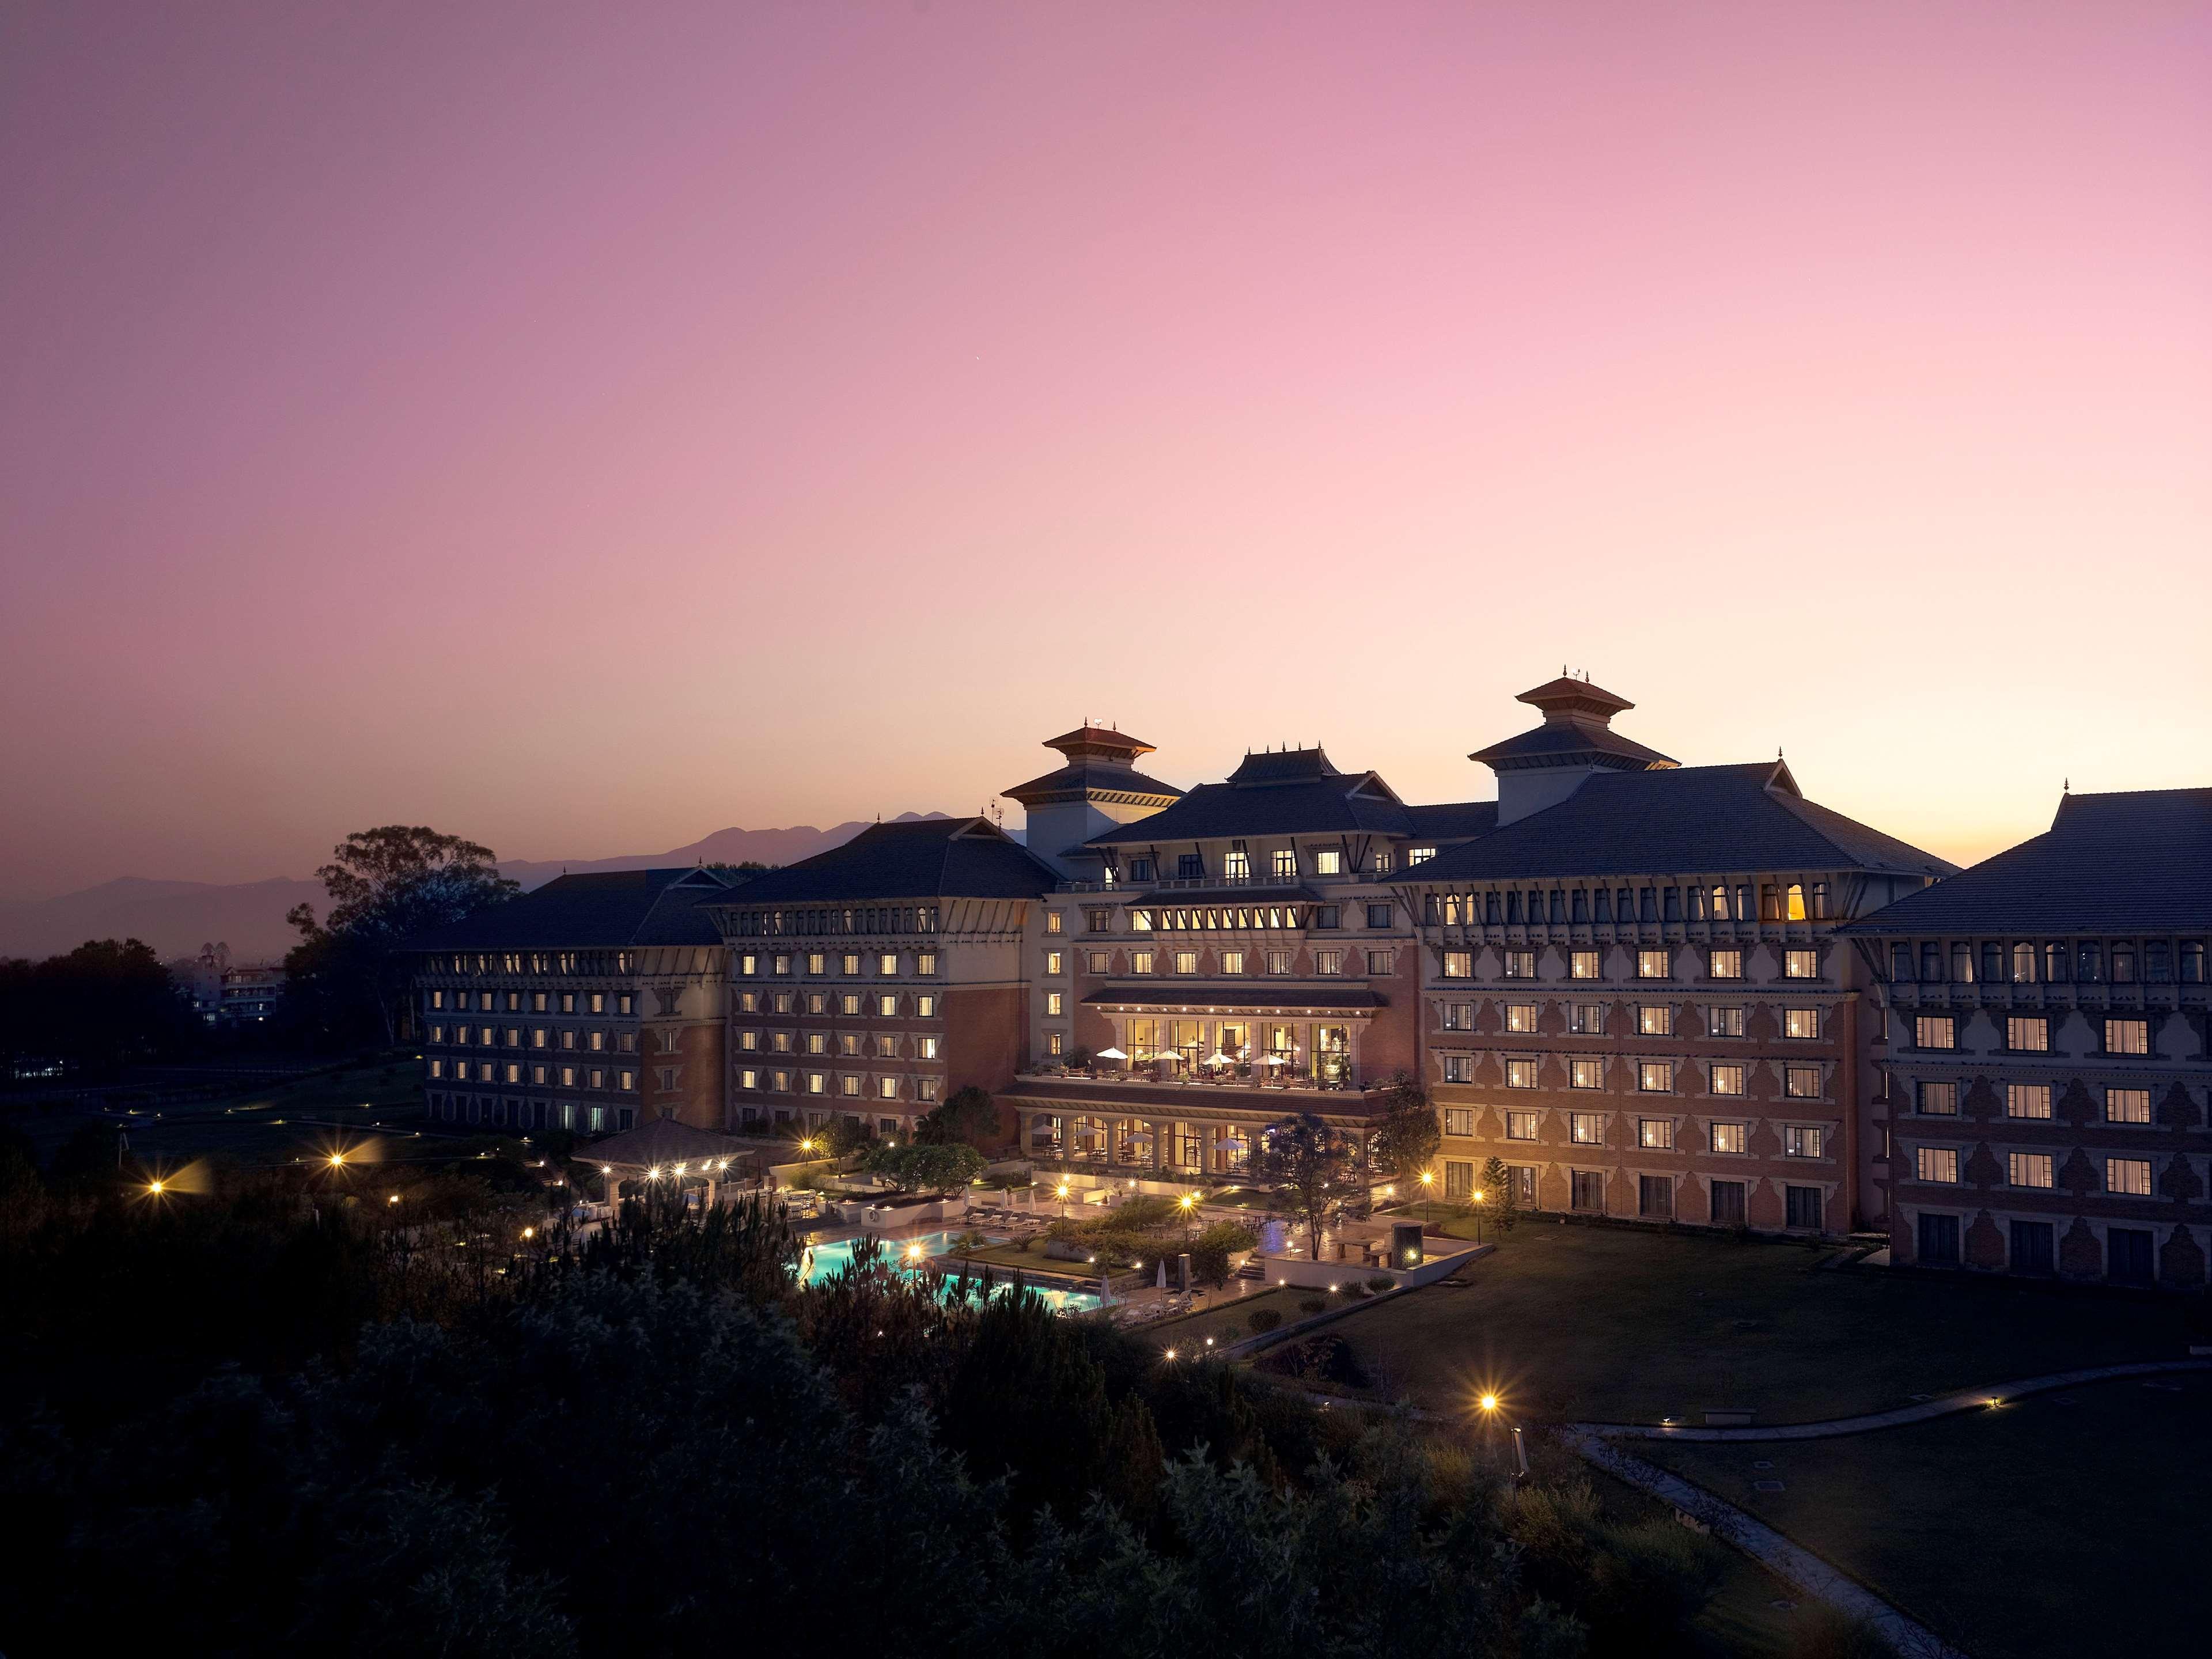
(1543, 766)
(1097, 788)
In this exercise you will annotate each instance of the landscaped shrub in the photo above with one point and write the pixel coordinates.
(1263, 1319)
(1314, 1304)
(1381, 1283)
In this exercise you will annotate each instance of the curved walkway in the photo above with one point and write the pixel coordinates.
(1966, 1399)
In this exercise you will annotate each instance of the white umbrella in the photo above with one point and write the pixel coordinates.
(1163, 1272)
(1217, 1058)
(1276, 1059)
(1111, 1053)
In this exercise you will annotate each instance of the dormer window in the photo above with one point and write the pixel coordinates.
(1237, 867)
(1329, 861)
(1413, 855)
(1286, 862)
(1190, 867)
(1140, 869)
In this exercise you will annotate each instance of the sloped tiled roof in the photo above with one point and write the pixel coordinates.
(2122, 862)
(1565, 743)
(1093, 775)
(1452, 820)
(1271, 766)
(1358, 803)
(662, 1142)
(1687, 819)
(933, 858)
(595, 910)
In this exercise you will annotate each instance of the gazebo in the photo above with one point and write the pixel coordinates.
(667, 1149)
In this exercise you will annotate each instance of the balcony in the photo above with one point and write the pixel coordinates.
(1240, 1080)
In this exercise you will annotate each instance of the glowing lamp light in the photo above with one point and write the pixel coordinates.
(606, 1168)
(530, 1233)
(652, 1175)
(1488, 1402)
(154, 1187)
(1428, 1177)
(394, 1199)
(338, 1160)
(1172, 1353)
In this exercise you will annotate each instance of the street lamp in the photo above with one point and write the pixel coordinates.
(1186, 1203)
(1428, 1195)
(1479, 1196)
(1490, 1404)
(1060, 1193)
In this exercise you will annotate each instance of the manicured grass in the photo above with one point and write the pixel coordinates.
(263, 1124)
(1619, 1326)
(2037, 1528)
(1227, 1321)
(1005, 1256)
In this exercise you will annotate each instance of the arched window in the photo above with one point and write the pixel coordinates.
(1797, 911)
(2023, 964)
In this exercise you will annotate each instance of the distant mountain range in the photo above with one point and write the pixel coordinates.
(177, 917)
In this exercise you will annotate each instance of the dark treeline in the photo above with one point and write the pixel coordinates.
(106, 1003)
(274, 1416)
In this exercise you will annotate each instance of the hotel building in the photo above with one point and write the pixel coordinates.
(2040, 1034)
(593, 1004)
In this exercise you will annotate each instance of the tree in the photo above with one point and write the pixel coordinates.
(388, 886)
(970, 1116)
(1313, 1165)
(106, 1004)
(918, 1167)
(1407, 1138)
(1499, 1199)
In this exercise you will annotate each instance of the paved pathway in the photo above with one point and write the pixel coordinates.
(1966, 1399)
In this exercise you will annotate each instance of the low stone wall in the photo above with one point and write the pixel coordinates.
(1328, 1275)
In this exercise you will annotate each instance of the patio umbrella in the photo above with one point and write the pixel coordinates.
(1111, 1053)
(1275, 1059)
(1217, 1058)
(1105, 1285)
(1163, 1272)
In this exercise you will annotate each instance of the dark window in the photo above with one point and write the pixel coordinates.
(2193, 964)
(1558, 909)
(1605, 904)
(1490, 908)
(1931, 963)
(1647, 904)
(1900, 964)
(1802, 1206)
(1378, 915)
(1728, 1203)
(1581, 904)
(1939, 1241)
(2128, 1254)
(1588, 1189)
(2054, 964)
(1992, 963)
(1523, 1177)
(1624, 904)
(1189, 867)
(1325, 915)
(1140, 869)
(1673, 911)
(1655, 1197)
(2089, 963)
(1513, 907)
(2032, 1251)
(2158, 963)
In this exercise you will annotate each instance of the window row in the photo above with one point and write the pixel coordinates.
(1567, 907)
(1651, 963)
(1652, 1076)
(1652, 1134)
(847, 1085)
(541, 1002)
(1647, 1019)
(2032, 1101)
(848, 1045)
(2086, 961)
(592, 1041)
(849, 1005)
(2123, 1177)
(532, 1113)
(1240, 863)
(872, 919)
(2030, 1034)
(538, 961)
(1804, 1207)
(566, 1077)
(816, 964)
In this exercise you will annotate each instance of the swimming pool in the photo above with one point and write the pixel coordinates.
(819, 1261)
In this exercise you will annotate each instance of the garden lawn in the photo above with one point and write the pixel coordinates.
(2037, 1528)
(1005, 1257)
(1227, 1321)
(1615, 1325)
(264, 1124)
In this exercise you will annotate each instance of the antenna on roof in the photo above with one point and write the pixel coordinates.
(2066, 786)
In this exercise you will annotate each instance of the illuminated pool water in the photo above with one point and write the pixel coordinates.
(821, 1261)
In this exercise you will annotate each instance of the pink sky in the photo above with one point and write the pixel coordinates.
(581, 427)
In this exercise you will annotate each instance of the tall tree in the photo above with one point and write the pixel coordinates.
(1313, 1166)
(386, 886)
(1407, 1137)
(969, 1115)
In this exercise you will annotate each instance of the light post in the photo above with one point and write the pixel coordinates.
(1428, 1196)
(1060, 1193)
(1490, 1404)
(1186, 1203)
(1479, 1196)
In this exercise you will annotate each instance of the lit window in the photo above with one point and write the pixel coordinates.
(1802, 1140)
(1459, 1121)
(886, 1046)
(1655, 1076)
(749, 1079)
(1654, 1019)
(1378, 962)
(2028, 1100)
(1655, 1134)
(1232, 962)
(1934, 1031)
(2027, 1170)
(1724, 1022)
(2129, 1177)
(1053, 922)
(1520, 1073)
(1725, 964)
(849, 963)
(1419, 855)
(887, 1088)
(849, 1084)
(1731, 1137)
(925, 963)
(1459, 965)
(1801, 964)
(1584, 965)
(1328, 861)
(2127, 1105)
(925, 1007)
(1052, 1043)
(1055, 963)
(1653, 964)
(1520, 1016)
(1278, 961)
(1520, 964)
(2027, 1034)
(1051, 1004)
(1458, 1068)
(1521, 1126)
(1325, 962)
(1800, 1023)
(818, 1043)
(1728, 1080)
(1802, 1082)
(1185, 961)
(1586, 1074)
(887, 964)
(1586, 1128)
(2127, 1036)
(817, 1082)
(815, 963)
(1939, 1099)
(887, 1006)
